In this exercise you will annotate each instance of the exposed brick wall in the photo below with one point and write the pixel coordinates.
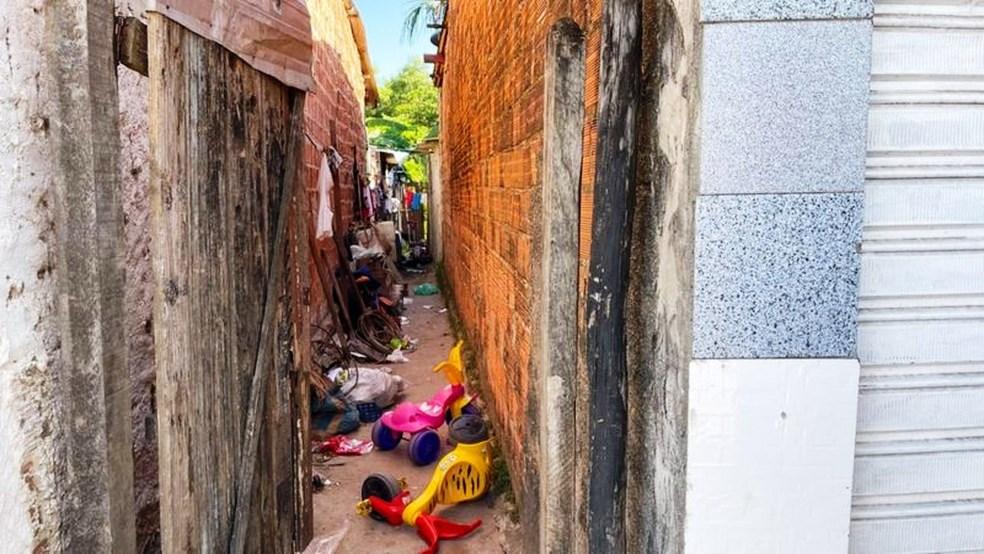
(335, 114)
(492, 140)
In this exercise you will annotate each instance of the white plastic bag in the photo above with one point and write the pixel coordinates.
(397, 357)
(325, 215)
(328, 544)
(365, 384)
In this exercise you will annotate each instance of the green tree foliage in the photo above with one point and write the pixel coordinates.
(407, 110)
(416, 169)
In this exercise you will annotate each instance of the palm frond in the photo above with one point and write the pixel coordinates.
(422, 12)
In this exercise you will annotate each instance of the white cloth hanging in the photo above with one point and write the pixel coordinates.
(324, 228)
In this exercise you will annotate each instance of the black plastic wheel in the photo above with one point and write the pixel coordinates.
(469, 429)
(381, 486)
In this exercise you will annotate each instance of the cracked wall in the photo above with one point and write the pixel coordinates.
(28, 339)
(62, 417)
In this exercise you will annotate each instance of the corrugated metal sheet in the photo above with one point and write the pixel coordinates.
(919, 471)
(273, 36)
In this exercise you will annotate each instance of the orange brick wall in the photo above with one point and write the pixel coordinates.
(334, 116)
(492, 137)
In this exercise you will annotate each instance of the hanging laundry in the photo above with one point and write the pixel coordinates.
(415, 206)
(326, 216)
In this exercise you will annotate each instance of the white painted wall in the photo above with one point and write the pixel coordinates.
(436, 206)
(770, 456)
(27, 295)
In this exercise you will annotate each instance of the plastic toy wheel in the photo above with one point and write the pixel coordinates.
(383, 437)
(469, 429)
(469, 409)
(425, 447)
(381, 486)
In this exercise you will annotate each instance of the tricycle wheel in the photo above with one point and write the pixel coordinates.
(469, 429)
(468, 409)
(381, 486)
(383, 437)
(425, 447)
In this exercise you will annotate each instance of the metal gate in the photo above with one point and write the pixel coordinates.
(919, 468)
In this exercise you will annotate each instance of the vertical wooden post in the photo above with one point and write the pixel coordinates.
(621, 57)
(556, 339)
(94, 494)
(301, 293)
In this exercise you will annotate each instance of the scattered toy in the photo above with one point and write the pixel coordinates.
(461, 476)
(420, 421)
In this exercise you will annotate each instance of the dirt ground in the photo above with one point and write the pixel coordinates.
(334, 507)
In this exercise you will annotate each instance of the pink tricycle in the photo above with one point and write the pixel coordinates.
(421, 421)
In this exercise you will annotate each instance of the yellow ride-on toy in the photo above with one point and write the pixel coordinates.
(461, 476)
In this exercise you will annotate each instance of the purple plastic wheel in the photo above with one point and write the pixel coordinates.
(383, 437)
(425, 447)
(468, 409)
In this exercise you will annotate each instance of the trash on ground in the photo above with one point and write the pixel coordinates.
(333, 414)
(397, 357)
(408, 301)
(340, 445)
(361, 385)
(442, 311)
(426, 289)
(410, 345)
(328, 544)
(318, 482)
(404, 320)
(400, 343)
(369, 412)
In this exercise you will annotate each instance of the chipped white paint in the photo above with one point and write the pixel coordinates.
(26, 285)
(770, 453)
(919, 472)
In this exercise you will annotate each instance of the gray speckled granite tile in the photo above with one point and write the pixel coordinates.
(785, 107)
(777, 276)
(749, 10)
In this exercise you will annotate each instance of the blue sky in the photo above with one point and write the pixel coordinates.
(387, 47)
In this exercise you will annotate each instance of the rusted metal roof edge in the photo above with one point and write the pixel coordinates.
(276, 43)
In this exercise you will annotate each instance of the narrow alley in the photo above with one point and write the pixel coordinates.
(492, 276)
(334, 509)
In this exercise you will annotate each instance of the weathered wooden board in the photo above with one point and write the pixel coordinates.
(218, 135)
(605, 339)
